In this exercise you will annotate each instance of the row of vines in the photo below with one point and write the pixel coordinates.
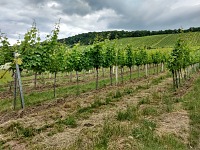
(52, 56)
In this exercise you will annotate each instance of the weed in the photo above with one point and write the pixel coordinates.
(69, 121)
(172, 142)
(19, 130)
(150, 111)
(129, 114)
(139, 87)
(145, 131)
(56, 128)
(102, 141)
(85, 109)
(178, 100)
(158, 80)
(128, 90)
(118, 94)
(108, 100)
(169, 103)
(145, 100)
(109, 130)
(1, 144)
(97, 103)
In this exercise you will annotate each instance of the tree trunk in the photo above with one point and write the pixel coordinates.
(54, 85)
(130, 73)
(11, 82)
(111, 75)
(181, 74)
(151, 70)
(10, 86)
(146, 70)
(188, 72)
(138, 71)
(176, 79)
(93, 71)
(103, 72)
(179, 77)
(77, 77)
(35, 80)
(157, 69)
(97, 78)
(122, 75)
(84, 73)
(70, 78)
(77, 83)
(174, 83)
(116, 74)
(185, 74)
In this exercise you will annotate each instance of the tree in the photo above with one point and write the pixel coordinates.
(129, 58)
(121, 57)
(109, 57)
(139, 60)
(96, 58)
(156, 58)
(34, 54)
(56, 53)
(6, 51)
(179, 58)
(76, 60)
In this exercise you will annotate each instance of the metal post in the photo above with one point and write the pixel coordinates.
(20, 84)
(15, 90)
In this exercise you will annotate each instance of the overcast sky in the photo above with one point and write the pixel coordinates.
(81, 16)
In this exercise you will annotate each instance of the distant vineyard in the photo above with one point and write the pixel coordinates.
(161, 41)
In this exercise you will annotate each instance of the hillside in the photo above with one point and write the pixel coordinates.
(89, 38)
(161, 41)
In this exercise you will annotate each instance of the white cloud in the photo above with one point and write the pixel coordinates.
(80, 16)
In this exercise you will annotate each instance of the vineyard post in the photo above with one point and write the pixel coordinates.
(15, 89)
(20, 84)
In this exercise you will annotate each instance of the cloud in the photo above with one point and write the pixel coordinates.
(80, 16)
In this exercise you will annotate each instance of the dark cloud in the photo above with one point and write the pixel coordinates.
(78, 16)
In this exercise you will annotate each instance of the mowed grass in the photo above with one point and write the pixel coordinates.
(192, 105)
(136, 127)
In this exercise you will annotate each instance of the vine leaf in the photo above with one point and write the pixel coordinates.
(5, 76)
(18, 61)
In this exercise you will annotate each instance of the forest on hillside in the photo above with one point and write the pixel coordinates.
(89, 38)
